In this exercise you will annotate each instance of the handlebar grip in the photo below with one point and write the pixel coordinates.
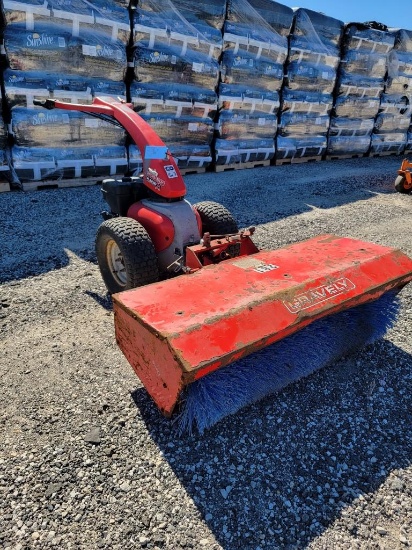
(46, 103)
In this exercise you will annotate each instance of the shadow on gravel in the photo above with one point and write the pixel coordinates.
(29, 266)
(37, 227)
(296, 188)
(277, 474)
(104, 301)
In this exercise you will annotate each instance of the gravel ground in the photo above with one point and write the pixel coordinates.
(86, 460)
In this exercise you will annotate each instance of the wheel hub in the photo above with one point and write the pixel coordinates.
(115, 262)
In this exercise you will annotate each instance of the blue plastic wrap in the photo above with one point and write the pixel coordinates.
(309, 103)
(255, 43)
(408, 145)
(364, 60)
(265, 13)
(53, 47)
(36, 127)
(367, 37)
(362, 107)
(388, 143)
(50, 163)
(313, 146)
(77, 16)
(166, 64)
(236, 151)
(248, 99)
(181, 25)
(343, 145)
(179, 130)
(237, 125)
(392, 122)
(295, 124)
(360, 83)
(311, 78)
(189, 155)
(258, 28)
(176, 50)
(109, 161)
(245, 135)
(307, 97)
(243, 68)
(314, 51)
(351, 127)
(315, 39)
(174, 99)
(22, 87)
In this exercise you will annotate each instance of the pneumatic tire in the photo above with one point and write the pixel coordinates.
(125, 254)
(216, 219)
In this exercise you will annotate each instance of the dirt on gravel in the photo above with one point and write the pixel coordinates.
(86, 459)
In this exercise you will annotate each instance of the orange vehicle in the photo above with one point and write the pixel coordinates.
(403, 182)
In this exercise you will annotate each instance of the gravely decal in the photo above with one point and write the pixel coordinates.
(317, 295)
(157, 183)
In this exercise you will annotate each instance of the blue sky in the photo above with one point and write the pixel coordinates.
(393, 13)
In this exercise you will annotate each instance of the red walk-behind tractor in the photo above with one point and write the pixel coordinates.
(190, 338)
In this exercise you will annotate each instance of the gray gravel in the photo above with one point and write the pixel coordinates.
(86, 460)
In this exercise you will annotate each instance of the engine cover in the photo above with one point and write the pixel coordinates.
(171, 226)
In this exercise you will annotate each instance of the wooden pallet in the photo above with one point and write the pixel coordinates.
(4, 186)
(297, 160)
(240, 165)
(193, 170)
(57, 184)
(339, 157)
(385, 154)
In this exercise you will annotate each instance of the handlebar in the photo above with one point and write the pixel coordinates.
(46, 103)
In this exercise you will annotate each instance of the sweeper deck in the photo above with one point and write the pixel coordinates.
(239, 323)
(178, 331)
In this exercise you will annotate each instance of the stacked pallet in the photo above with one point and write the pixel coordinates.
(307, 97)
(252, 68)
(391, 133)
(71, 51)
(225, 83)
(175, 62)
(360, 83)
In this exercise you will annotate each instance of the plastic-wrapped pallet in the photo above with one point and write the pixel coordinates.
(307, 97)
(53, 46)
(176, 50)
(390, 133)
(75, 134)
(77, 16)
(252, 66)
(360, 83)
(86, 43)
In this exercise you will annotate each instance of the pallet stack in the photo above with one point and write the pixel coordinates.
(307, 97)
(252, 68)
(177, 46)
(391, 134)
(70, 51)
(225, 83)
(360, 83)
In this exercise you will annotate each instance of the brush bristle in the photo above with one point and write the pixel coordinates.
(248, 380)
